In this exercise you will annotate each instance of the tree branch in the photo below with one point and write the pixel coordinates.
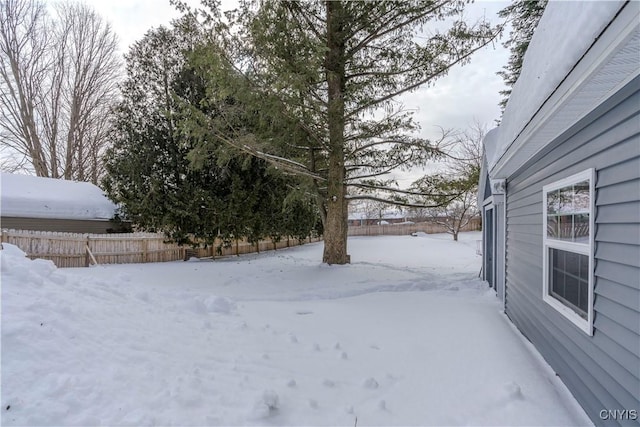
(377, 34)
(419, 83)
(391, 202)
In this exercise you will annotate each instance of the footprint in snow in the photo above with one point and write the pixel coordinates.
(243, 326)
(513, 391)
(266, 405)
(371, 383)
(313, 404)
(329, 383)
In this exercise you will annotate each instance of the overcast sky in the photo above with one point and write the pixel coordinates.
(467, 94)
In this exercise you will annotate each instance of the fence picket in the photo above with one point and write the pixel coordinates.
(80, 250)
(70, 249)
(406, 229)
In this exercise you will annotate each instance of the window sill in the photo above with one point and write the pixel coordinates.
(585, 326)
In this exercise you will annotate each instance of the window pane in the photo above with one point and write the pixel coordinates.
(584, 268)
(572, 263)
(565, 200)
(553, 201)
(571, 289)
(556, 276)
(583, 302)
(552, 226)
(581, 227)
(569, 279)
(568, 210)
(581, 198)
(565, 227)
(553, 260)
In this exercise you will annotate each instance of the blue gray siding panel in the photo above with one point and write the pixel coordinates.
(623, 213)
(624, 295)
(602, 371)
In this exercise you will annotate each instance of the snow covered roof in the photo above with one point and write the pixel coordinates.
(490, 144)
(580, 53)
(35, 197)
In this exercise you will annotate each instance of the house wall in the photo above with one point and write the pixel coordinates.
(602, 371)
(61, 225)
(493, 269)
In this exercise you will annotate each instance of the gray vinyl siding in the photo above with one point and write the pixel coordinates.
(602, 371)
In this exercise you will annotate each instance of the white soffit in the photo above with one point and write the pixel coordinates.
(612, 62)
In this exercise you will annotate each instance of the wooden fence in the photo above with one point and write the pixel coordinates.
(405, 229)
(82, 250)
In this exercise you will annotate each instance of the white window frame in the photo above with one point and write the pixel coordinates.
(586, 325)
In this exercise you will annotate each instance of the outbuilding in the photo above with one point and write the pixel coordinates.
(46, 204)
(560, 197)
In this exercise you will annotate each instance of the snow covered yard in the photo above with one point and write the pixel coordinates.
(405, 335)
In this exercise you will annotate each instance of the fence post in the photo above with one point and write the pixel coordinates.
(145, 247)
(86, 253)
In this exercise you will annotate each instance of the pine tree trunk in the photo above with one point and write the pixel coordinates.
(335, 232)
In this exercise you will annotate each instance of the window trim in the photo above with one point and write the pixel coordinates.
(586, 325)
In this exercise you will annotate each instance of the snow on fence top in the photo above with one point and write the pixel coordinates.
(35, 197)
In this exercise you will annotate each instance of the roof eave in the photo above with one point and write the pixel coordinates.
(610, 63)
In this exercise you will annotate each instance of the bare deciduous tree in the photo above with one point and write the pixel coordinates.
(457, 215)
(460, 180)
(23, 65)
(59, 80)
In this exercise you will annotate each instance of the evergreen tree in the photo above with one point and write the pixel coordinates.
(323, 78)
(152, 171)
(524, 16)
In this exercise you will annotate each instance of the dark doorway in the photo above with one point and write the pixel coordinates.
(488, 249)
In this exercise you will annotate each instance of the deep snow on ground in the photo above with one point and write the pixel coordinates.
(405, 335)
